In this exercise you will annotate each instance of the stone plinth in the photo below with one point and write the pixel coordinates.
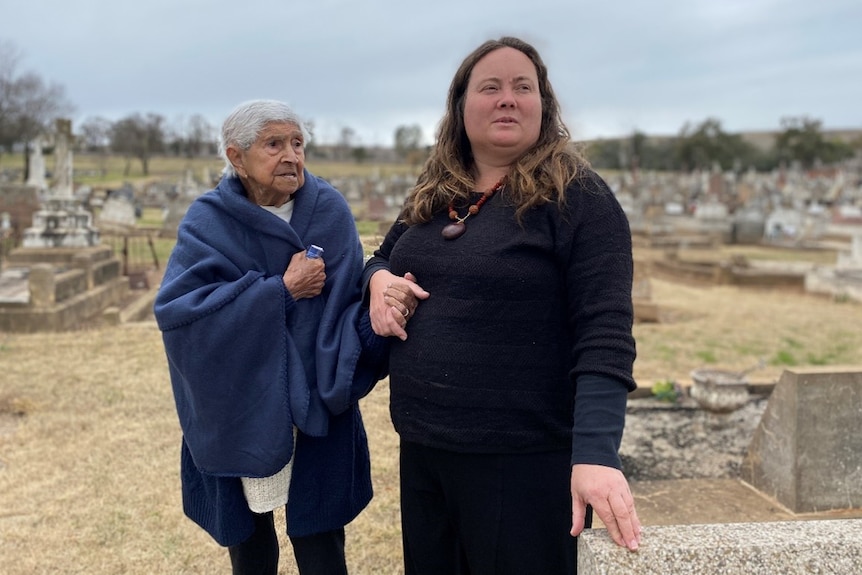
(807, 450)
(20, 202)
(786, 547)
(62, 224)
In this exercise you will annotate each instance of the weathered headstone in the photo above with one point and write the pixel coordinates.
(807, 449)
(36, 175)
(63, 186)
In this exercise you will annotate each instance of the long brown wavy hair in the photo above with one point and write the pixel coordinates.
(541, 175)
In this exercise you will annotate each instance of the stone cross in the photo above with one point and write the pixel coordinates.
(63, 188)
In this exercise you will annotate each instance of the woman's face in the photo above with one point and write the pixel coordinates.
(272, 169)
(503, 107)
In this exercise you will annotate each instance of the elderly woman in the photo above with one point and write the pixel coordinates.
(269, 351)
(508, 387)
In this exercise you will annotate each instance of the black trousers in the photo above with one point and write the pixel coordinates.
(494, 514)
(319, 554)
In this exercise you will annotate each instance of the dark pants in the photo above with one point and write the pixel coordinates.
(319, 554)
(478, 514)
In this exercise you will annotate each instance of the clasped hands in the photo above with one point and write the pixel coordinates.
(392, 302)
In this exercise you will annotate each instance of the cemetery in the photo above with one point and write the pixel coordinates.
(736, 469)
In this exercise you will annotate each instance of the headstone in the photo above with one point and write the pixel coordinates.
(645, 309)
(807, 449)
(118, 211)
(852, 258)
(62, 221)
(36, 176)
(63, 186)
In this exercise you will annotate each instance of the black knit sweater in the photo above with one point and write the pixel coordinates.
(525, 343)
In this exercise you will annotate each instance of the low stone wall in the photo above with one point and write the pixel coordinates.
(66, 315)
(67, 286)
(787, 547)
(712, 273)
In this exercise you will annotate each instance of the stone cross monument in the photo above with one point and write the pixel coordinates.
(62, 221)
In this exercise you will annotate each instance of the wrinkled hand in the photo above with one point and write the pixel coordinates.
(304, 277)
(607, 490)
(392, 302)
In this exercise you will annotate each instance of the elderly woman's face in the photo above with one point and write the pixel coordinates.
(271, 169)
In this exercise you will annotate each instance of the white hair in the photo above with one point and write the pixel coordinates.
(243, 126)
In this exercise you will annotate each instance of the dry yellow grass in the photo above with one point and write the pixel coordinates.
(731, 328)
(89, 439)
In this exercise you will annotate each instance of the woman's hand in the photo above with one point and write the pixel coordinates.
(392, 302)
(607, 490)
(304, 277)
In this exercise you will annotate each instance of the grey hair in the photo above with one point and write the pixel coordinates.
(243, 126)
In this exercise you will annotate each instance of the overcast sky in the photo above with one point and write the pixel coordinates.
(373, 65)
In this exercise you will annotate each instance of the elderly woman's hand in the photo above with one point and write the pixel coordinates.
(392, 302)
(304, 277)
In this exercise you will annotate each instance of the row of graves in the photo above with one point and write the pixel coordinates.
(61, 273)
(71, 255)
(684, 220)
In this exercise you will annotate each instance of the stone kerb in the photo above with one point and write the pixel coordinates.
(788, 547)
(64, 288)
(807, 450)
(43, 286)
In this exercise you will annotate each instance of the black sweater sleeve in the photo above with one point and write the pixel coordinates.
(380, 259)
(600, 413)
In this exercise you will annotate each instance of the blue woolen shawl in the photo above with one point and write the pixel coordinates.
(248, 362)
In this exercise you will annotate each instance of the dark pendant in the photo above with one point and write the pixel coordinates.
(454, 231)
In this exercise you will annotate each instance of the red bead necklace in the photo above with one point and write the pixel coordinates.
(457, 228)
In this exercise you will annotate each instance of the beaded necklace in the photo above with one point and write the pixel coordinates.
(457, 228)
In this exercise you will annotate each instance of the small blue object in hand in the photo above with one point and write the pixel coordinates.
(313, 252)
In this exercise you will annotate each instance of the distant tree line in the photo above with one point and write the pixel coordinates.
(800, 141)
(29, 106)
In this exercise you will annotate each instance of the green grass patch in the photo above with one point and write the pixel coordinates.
(784, 357)
(706, 356)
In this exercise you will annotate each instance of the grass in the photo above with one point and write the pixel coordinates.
(89, 440)
(102, 172)
(89, 470)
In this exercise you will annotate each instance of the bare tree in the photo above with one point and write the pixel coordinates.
(408, 143)
(191, 137)
(200, 136)
(346, 142)
(140, 137)
(28, 106)
(94, 138)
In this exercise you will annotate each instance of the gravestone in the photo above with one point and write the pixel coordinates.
(645, 309)
(36, 176)
(118, 212)
(807, 450)
(852, 258)
(62, 221)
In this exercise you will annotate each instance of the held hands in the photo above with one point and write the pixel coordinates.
(304, 277)
(607, 490)
(393, 302)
